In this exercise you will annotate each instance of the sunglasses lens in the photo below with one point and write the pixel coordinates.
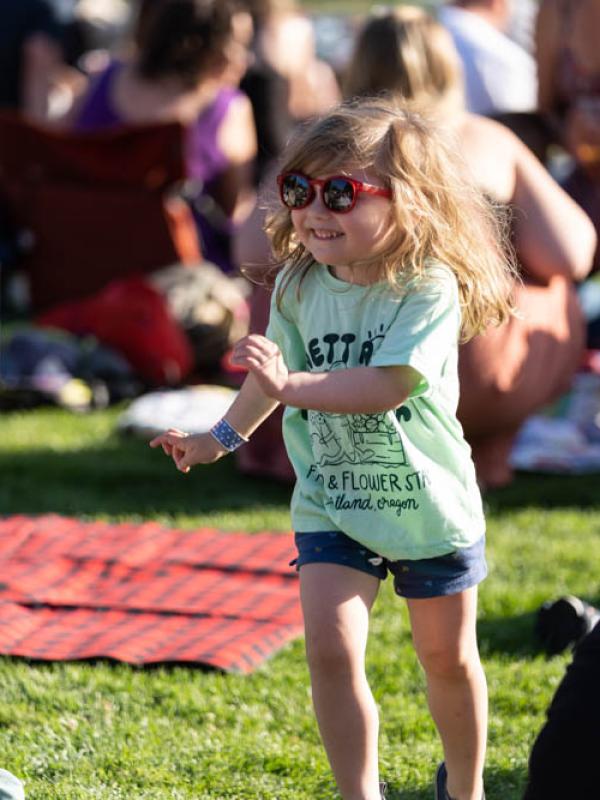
(338, 194)
(296, 191)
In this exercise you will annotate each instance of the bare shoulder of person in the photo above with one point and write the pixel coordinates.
(490, 151)
(237, 134)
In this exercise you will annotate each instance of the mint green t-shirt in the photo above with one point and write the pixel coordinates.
(400, 482)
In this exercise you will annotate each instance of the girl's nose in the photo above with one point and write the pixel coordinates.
(317, 205)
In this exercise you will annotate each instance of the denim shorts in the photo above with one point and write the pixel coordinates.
(426, 577)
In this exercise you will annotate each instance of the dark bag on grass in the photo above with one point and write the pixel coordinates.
(132, 317)
(210, 308)
(564, 622)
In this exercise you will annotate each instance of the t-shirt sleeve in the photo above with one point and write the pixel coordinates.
(283, 331)
(424, 332)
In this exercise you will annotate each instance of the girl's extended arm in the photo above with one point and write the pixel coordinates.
(358, 390)
(251, 407)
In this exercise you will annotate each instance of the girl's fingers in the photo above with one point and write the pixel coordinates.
(247, 345)
(168, 440)
(171, 442)
(255, 339)
(179, 456)
(170, 437)
(249, 362)
(247, 353)
(257, 355)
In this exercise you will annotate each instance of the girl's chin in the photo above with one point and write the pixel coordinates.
(329, 251)
(353, 273)
(328, 261)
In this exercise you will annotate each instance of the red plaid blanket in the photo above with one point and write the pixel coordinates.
(143, 593)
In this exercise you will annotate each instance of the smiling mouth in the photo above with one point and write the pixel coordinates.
(324, 236)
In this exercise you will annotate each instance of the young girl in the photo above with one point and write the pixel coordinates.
(388, 255)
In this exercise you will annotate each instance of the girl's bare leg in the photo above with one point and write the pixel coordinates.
(444, 634)
(336, 602)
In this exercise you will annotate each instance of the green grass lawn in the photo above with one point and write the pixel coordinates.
(105, 730)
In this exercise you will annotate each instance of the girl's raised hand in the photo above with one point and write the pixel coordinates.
(186, 449)
(263, 358)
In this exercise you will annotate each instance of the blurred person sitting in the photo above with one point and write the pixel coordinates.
(286, 81)
(568, 61)
(91, 31)
(30, 55)
(508, 372)
(186, 54)
(287, 41)
(500, 75)
(96, 29)
(521, 23)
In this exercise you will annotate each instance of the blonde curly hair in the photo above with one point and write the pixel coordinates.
(436, 211)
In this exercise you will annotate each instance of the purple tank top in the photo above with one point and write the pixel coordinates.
(205, 160)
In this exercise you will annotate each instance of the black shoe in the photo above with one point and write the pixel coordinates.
(441, 776)
(440, 783)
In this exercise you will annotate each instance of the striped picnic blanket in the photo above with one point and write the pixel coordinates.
(142, 593)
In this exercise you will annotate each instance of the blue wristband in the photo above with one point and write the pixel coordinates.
(227, 436)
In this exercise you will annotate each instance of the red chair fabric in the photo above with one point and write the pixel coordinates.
(97, 206)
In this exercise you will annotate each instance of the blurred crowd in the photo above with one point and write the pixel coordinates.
(516, 84)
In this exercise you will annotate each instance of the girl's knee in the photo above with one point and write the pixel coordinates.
(331, 652)
(450, 663)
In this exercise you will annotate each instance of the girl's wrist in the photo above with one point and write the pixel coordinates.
(226, 436)
(287, 394)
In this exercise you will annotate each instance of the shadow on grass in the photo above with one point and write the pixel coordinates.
(123, 476)
(408, 793)
(164, 667)
(547, 491)
(508, 635)
(500, 784)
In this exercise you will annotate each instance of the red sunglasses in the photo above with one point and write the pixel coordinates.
(339, 193)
